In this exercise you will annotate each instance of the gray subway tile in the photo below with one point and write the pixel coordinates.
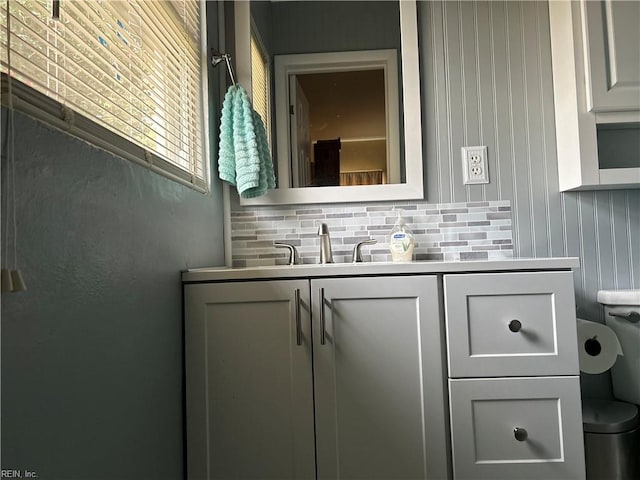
(446, 211)
(474, 255)
(479, 223)
(485, 247)
(308, 211)
(243, 237)
(498, 216)
(472, 236)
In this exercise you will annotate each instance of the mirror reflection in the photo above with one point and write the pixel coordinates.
(337, 85)
(332, 120)
(341, 126)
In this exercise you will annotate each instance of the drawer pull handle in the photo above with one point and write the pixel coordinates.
(515, 325)
(520, 434)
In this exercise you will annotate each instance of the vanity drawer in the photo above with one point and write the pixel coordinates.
(545, 412)
(510, 324)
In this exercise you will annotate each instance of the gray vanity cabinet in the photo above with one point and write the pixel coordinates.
(514, 388)
(249, 384)
(378, 370)
(351, 367)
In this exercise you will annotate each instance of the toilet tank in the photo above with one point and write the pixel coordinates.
(621, 314)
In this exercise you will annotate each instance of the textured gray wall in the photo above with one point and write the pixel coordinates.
(92, 351)
(487, 80)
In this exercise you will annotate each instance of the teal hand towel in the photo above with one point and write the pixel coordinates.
(244, 159)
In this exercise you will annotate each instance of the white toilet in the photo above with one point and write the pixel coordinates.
(612, 427)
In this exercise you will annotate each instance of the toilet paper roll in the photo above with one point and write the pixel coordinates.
(598, 347)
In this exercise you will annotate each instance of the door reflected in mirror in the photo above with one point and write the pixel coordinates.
(341, 126)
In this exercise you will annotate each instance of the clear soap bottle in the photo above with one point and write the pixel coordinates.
(401, 241)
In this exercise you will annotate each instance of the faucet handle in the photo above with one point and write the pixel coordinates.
(357, 255)
(294, 258)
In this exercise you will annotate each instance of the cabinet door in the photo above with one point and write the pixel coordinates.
(379, 389)
(612, 30)
(511, 324)
(524, 428)
(249, 382)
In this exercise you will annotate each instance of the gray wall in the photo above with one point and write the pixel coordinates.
(486, 80)
(92, 361)
(92, 351)
(261, 14)
(311, 27)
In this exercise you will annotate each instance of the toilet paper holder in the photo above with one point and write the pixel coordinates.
(633, 317)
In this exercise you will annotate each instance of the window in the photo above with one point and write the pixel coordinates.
(260, 82)
(129, 68)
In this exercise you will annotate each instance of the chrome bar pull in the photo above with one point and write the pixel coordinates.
(323, 334)
(633, 317)
(298, 319)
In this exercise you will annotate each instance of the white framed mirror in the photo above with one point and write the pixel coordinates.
(401, 137)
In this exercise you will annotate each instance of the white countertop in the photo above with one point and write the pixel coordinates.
(377, 268)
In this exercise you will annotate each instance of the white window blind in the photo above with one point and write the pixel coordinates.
(134, 68)
(260, 83)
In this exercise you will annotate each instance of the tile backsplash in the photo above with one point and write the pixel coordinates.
(454, 231)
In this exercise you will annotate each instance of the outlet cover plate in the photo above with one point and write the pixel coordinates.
(474, 165)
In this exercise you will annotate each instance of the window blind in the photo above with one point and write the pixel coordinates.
(260, 83)
(132, 67)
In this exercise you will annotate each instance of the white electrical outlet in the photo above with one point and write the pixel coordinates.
(474, 165)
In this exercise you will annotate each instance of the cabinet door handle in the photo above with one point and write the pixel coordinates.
(515, 325)
(323, 338)
(520, 434)
(298, 319)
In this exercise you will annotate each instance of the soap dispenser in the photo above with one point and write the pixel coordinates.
(401, 241)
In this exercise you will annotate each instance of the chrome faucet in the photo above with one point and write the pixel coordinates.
(294, 258)
(357, 254)
(325, 244)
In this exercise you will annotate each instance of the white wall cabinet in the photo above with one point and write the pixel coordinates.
(612, 63)
(376, 345)
(596, 81)
(514, 389)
